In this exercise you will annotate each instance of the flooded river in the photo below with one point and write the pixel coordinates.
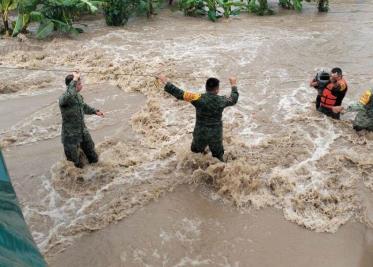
(297, 188)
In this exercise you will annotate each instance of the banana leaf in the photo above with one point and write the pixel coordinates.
(45, 29)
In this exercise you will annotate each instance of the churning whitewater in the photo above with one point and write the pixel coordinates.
(280, 152)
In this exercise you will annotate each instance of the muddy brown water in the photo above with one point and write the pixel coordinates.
(297, 188)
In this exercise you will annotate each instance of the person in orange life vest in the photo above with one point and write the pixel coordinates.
(333, 94)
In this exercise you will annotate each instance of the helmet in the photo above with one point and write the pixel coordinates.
(323, 77)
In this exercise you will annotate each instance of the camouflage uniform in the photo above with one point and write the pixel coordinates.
(75, 135)
(364, 108)
(208, 130)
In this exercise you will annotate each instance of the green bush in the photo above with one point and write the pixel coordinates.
(52, 15)
(5, 7)
(323, 5)
(291, 4)
(117, 12)
(260, 8)
(215, 9)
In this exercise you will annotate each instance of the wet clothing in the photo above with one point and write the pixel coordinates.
(364, 109)
(211, 137)
(73, 151)
(208, 130)
(332, 96)
(75, 135)
(318, 101)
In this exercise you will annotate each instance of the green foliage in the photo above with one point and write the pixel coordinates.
(59, 15)
(230, 8)
(323, 5)
(5, 7)
(259, 7)
(192, 8)
(213, 9)
(117, 12)
(52, 15)
(291, 4)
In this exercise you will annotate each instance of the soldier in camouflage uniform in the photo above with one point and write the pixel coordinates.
(364, 109)
(75, 135)
(208, 130)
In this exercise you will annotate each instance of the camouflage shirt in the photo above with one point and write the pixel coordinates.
(73, 108)
(364, 109)
(209, 107)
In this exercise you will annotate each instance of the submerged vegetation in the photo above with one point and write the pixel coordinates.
(61, 15)
(117, 12)
(49, 15)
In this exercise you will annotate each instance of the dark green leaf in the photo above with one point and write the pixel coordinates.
(45, 29)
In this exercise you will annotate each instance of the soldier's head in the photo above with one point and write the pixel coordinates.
(68, 80)
(336, 74)
(212, 85)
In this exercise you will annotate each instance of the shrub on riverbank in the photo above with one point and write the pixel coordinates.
(59, 15)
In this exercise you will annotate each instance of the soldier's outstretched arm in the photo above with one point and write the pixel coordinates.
(178, 93)
(174, 91)
(181, 94)
(364, 100)
(88, 109)
(355, 107)
(69, 94)
(233, 98)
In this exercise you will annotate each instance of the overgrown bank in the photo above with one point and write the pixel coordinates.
(61, 15)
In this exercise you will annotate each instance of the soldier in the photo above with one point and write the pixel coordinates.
(364, 109)
(208, 130)
(75, 135)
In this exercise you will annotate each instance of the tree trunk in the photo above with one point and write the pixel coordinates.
(6, 23)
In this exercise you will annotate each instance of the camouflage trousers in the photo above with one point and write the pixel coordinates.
(74, 151)
(208, 136)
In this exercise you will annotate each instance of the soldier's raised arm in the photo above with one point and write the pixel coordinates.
(233, 98)
(177, 92)
(363, 102)
(71, 91)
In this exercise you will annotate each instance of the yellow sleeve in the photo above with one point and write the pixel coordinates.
(365, 98)
(343, 85)
(190, 97)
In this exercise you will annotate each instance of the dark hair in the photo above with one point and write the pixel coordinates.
(337, 70)
(68, 79)
(212, 84)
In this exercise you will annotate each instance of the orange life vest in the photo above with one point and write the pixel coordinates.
(327, 98)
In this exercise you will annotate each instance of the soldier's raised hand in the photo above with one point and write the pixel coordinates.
(76, 75)
(233, 81)
(162, 78)
(99, 113)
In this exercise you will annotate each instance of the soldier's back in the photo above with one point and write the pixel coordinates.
(209, 110)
